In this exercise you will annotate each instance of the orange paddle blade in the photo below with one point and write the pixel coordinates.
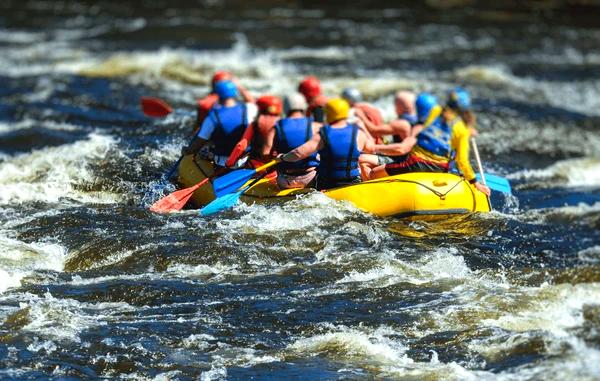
(176, 200)
(155, 107)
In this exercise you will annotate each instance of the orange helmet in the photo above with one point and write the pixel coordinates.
(270, 105)
(310, 87)
(221, 76)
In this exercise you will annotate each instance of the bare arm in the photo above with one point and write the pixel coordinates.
(305, 150)
(268, 143)
(382, 129)
(396, 149)
(248, 97)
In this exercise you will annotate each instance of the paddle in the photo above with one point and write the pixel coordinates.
(234, 180)
(155, 107)
(496, 183)
(176, 200)
(227, 201)
(158, 108)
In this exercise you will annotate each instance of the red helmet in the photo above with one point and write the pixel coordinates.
(221, 76)
(270, 105)
(310, 87)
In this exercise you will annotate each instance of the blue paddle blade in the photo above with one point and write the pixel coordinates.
(221, 203)
(232, 181)
(497, 183)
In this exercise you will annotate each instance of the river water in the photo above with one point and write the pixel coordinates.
(92, 285)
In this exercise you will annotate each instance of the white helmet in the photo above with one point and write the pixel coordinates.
(294, 102)
(352, 95)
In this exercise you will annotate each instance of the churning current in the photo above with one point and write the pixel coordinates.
(95, 286)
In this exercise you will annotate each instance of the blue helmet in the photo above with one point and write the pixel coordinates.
(425, 103)
(459, 99)
(226, 89)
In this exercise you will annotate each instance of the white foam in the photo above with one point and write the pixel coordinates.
(491, 75)
(50, 174)
(591, 254)
(378, 353)
(306, 212)
(46, 345)
(350, 344)
(537, 216)
(554, 309)
(570, 173)
(442, 264)
(198, 341)
(188, 271)
(57, 319)
(580, 362)
(19, 36)
(214, 374)
(19, 259)
(27, 123)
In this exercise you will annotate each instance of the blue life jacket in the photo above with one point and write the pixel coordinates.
(436, 138)
(339, 156)
(230, 124)
(291, 133)
(411, 119)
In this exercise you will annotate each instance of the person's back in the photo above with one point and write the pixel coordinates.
(230, 123)
(291, 132)
(224, 125)
(269, 113)
(339, 155)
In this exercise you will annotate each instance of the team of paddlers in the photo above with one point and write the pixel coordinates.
(326, 142)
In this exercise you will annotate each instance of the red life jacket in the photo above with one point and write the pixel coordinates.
(204, 105)
(263, 126)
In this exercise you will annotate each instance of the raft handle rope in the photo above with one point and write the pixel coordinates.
(441, 195)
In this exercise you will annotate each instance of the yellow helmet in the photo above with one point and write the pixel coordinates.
(336, 109)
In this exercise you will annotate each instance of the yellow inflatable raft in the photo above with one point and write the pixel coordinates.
(406, 195)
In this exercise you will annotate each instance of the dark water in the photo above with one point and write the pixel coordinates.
(92, 285)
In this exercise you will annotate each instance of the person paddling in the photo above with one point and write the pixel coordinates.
(339, 145)
(310, 87)
(291, 132)
(443, 131)
(224, 125)
(204, 105)
(259, 134)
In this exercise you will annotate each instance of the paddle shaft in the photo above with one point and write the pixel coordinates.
(478, 160)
